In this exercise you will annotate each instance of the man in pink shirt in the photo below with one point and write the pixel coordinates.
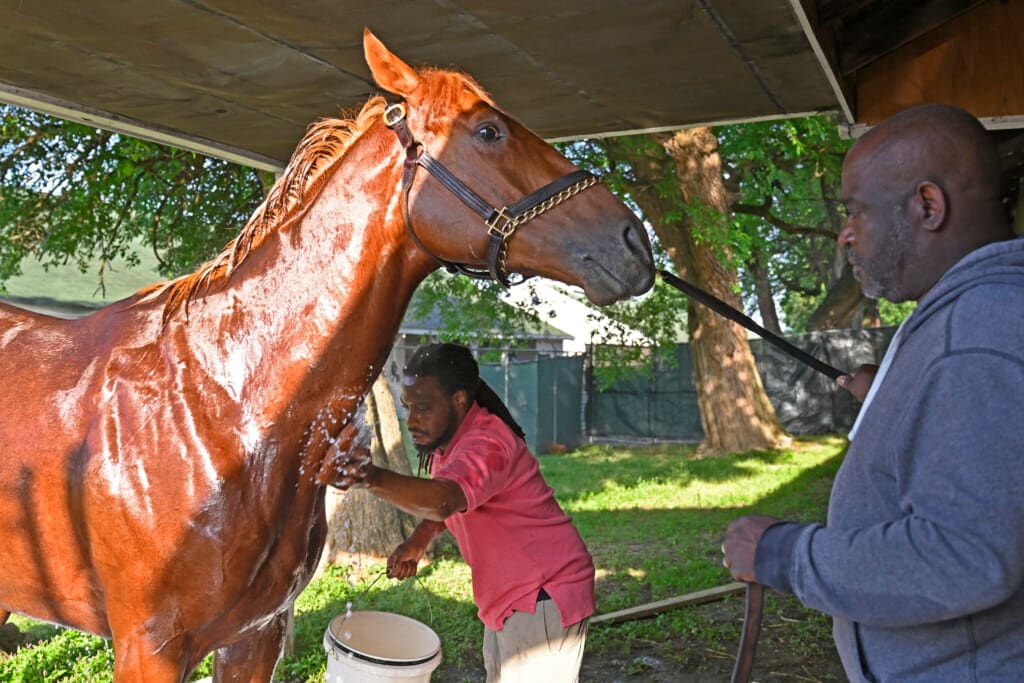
(533, 579)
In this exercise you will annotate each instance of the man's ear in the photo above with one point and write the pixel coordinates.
(461, 399)
(930, 204)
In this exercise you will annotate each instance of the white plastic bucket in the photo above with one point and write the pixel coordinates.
(379, 646)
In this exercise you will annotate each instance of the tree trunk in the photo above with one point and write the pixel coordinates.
(765, 296)
(840, 307)
(843, 304)
(871, 315)
(734, 408)
(363, 529)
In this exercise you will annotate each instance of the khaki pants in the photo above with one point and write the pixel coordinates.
(534, 647)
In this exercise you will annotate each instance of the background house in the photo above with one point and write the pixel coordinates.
(564, 307)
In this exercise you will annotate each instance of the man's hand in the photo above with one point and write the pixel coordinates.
(348, 464)
(859, 381)
(403, 563)
(354, 470)
(740, 545)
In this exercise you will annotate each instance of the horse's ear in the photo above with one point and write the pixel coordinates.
(390, 72)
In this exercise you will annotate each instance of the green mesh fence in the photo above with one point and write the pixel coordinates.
(555, 402)
(544, 396)
(661, 406)
(664, 405)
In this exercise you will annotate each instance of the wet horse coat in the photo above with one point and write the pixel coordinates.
(157, 480)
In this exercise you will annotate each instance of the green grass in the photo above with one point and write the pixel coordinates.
(68, 283)
(653, 518)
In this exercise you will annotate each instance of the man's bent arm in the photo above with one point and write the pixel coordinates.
(432, 499)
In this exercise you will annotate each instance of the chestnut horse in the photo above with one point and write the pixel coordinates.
(157, 485)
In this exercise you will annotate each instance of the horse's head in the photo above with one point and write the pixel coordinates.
(477, 192)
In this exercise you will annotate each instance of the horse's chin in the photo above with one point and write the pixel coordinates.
(604, 287)
(611, 271)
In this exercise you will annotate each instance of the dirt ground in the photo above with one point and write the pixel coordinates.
(791, 648)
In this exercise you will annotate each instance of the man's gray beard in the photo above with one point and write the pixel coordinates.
(883, 277)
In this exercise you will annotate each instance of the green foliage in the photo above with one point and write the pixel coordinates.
(659, 315)
(714, 231)
(783, 177)
(71, 193)
(800, 306)
(894, 314)
(787, 174)
(68, 284)
(65, 656)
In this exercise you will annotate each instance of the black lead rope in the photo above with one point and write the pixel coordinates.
(727, 311)
(501, 223)
(751, 632)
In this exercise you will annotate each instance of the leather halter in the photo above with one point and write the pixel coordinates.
(501, 223)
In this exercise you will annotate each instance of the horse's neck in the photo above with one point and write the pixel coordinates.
(309, 317)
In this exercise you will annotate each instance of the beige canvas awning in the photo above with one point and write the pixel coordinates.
(242, 79)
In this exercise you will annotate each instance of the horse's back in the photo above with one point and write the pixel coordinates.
(52, 374)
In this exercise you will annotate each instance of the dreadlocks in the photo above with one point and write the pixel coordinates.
(455, 368)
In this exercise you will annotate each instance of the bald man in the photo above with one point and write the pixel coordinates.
(921, 563)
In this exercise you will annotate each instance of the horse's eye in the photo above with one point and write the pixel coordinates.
(488, 133)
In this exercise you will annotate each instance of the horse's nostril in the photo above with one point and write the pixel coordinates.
(635, 237)
(627, 235)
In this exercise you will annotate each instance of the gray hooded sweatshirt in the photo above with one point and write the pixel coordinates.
(922, 561)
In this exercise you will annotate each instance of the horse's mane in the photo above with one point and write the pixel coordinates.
(321, 148)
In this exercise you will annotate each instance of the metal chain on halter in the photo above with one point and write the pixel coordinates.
(505, 230)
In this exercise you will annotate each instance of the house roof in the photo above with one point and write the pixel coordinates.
(431, 324)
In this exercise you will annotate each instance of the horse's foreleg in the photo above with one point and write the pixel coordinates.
(137, 659)
(253, 658)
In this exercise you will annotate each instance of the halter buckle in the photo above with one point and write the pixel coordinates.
(501, 224)
(394, 115)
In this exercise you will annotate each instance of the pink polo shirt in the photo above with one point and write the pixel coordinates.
(514, 535)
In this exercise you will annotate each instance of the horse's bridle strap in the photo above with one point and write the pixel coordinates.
(501, 223)
(455, 186)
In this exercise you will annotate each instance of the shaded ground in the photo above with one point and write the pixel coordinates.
(795, 645)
